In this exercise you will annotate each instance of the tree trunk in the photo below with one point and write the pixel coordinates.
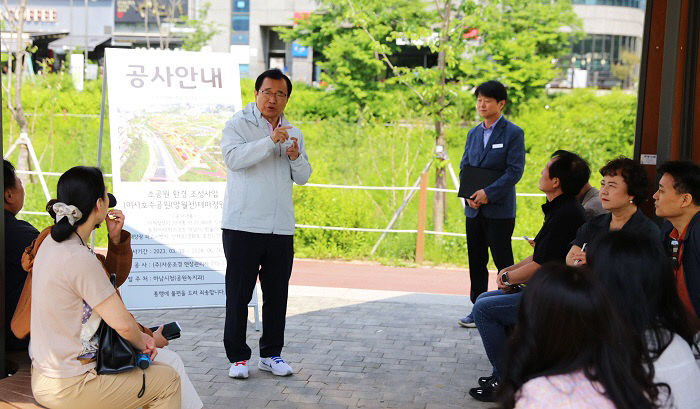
(147, 5)
(439, 203)
(156, 10)
(18, 111)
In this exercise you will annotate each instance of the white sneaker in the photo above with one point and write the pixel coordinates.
(238, 370)
(275, 365)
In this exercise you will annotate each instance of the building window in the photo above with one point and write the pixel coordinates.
(597, 54)
(244, 70)
(241, 5)
(638, 4)
(240, 22)
(239, 38)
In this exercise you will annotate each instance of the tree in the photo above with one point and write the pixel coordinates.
(164, 12)
(627, 70)
(15, 20)
(514, 41)
(519, 43)
(351, 36)
(200, 30)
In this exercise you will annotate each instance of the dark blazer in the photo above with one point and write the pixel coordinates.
(509, 158)
(691, 257)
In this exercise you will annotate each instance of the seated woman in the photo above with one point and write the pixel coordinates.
(71, 294)
(623, 189)
(638, 277)
(118, 262)
(570, 349)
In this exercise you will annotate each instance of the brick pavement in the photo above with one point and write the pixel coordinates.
(349, 348)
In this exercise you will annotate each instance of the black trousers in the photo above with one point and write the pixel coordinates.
(484, 233)
(249, 255)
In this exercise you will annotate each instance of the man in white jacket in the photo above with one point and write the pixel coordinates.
(264, 156)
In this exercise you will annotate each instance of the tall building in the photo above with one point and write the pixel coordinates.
(609, 55)
(258, 46)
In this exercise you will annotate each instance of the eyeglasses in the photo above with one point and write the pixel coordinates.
(278, 95)
(675, 250)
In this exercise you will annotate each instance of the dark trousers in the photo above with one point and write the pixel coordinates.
(484, 233)
(249, 255)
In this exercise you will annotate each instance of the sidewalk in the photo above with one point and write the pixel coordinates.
(350, 347)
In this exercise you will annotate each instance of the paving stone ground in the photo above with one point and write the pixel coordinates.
(348, 348)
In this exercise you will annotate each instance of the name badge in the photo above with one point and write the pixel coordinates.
(497, 145)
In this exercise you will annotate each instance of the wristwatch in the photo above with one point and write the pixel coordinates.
(504, 278)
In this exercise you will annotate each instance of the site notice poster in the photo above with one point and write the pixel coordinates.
(166, 113)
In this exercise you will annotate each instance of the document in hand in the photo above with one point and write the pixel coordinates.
(472, 179)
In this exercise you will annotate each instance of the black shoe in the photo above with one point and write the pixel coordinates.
(485, 380)
(485, 393)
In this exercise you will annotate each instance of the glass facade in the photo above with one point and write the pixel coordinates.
(598, 53)
(638, 4)
(240, 22)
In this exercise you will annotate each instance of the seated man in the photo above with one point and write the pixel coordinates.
(678, 202)
(18, 235)
(496, 311)
(588, 196)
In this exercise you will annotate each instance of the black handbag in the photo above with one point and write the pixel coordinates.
(114, 353)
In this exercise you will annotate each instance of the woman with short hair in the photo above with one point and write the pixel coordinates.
(624, 187)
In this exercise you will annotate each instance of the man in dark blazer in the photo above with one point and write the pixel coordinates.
(495, 144)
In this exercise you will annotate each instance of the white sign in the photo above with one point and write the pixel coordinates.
(91, 72)
(647, 159)
(167, 110)
(31, 14)
(77, 70)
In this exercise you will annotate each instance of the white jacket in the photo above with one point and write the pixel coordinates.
(259, 177)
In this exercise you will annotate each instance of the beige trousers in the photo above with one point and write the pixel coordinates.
(190, 398)
(89, 390)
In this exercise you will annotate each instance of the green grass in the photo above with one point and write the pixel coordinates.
(351, 153)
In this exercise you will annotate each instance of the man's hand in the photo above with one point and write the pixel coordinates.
(499, 280)
(293, 149)
(479, 197)
(159, 338)
(115, 222)
(280, 134)
(472, 204)
(150, 346)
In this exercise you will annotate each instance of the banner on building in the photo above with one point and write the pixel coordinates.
(167, 110)
(136, 11)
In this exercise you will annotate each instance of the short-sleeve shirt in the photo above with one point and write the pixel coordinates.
(64, 275)
(638, 224)
(562, 218)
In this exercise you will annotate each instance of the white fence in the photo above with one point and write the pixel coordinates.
(332, 186)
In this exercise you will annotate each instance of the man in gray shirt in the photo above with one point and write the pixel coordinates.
(264, 155)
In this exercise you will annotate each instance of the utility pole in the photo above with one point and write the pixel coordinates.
(86, 38)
